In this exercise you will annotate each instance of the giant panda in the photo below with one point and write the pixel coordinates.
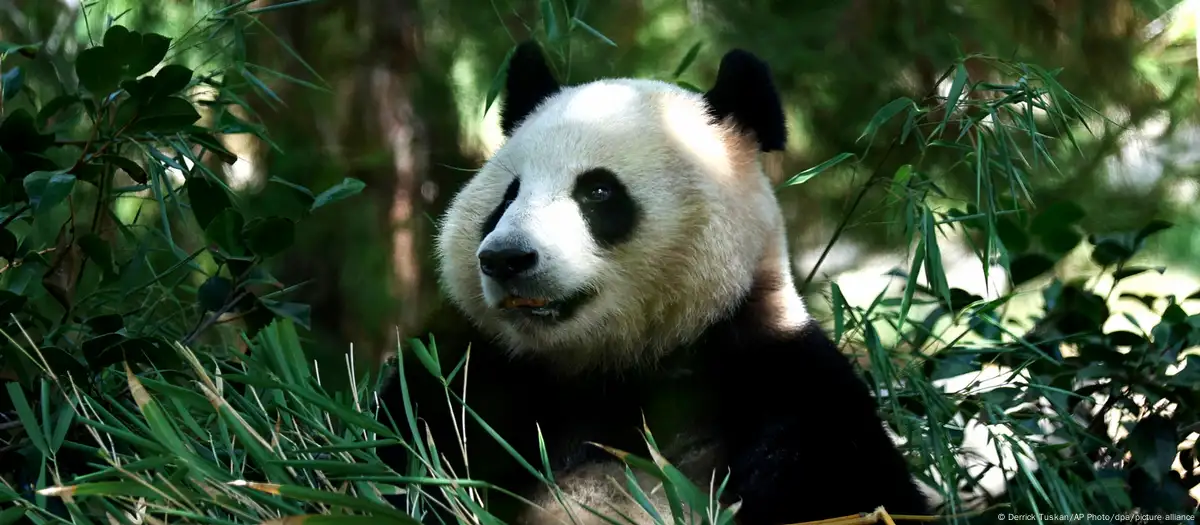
(621, 264)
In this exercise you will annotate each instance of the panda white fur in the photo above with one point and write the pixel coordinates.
(620, 259)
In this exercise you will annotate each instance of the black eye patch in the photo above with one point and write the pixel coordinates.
(493, 219)
(609, 211)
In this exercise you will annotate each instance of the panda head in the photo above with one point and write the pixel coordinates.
(621, 217)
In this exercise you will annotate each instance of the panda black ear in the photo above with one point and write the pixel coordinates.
(529, 82)
(745, 91)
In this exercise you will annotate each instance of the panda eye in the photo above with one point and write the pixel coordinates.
(598, 193)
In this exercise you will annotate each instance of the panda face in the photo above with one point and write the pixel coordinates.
(542, 247)
(617, 222)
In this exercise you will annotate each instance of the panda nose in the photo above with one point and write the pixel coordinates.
(506, 263)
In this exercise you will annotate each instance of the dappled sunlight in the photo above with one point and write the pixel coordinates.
(1176, 281)
(1139, 164)
(864, 276)
(244, 173)
(605, 104)
(479, 132)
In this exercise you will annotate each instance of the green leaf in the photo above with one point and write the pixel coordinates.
(300, 189)
(550, 20)
(229, 124)
(8, 244)
(280, 198)
(226, 232)
(902, 175)
(124, 55)
(956, 89)
(47, 189)
(1054, 226)
(13, 81)
(12, 515)
(208, 199)
(298, 313)
(953, 364)
(1011, 235)
(204, 138)
(269, 236)
(140, 90)
(171, 79)
(804, 176)
(1190, 375)
(153, 48)
(1130, 271)
(1125, 338)
(10, 303)
(106, 324)
(498, 80)
(19, 133)
(687, 59)
(213, 293)
(593, 31)
(126, 114)
(1056, 216)
(100, 253)
(935, 273)
(1028, 266)
(639, 495)
(885, 113)
(1060, 241)
(99, 70)
(1152, 228)
(162, 428)
(56, 105)
(6, 165)
(910, 287)
(119, 39)
(337, 500)
(839, 314)
(8, 48)
(164, 115)
(26, 415)
(427, 356)
(109, 349)
(1110, 251)
(680, 485)
(130, 167)
(1153, 443)
(342, 190)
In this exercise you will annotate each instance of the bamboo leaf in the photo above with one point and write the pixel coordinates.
(889, 110)
(804, 176)
(687, 60)
(956, 90)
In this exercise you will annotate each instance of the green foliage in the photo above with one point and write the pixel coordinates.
(241, 441)
(120, 238)
(1067, 376)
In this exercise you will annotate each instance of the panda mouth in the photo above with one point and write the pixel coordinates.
(542, 309)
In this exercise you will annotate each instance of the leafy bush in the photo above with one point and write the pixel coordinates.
(121, 238)
(1066, 385)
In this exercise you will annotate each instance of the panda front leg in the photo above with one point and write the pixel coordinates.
(805, 439)
(592, 488)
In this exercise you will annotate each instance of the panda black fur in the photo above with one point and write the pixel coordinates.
(641, 212)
